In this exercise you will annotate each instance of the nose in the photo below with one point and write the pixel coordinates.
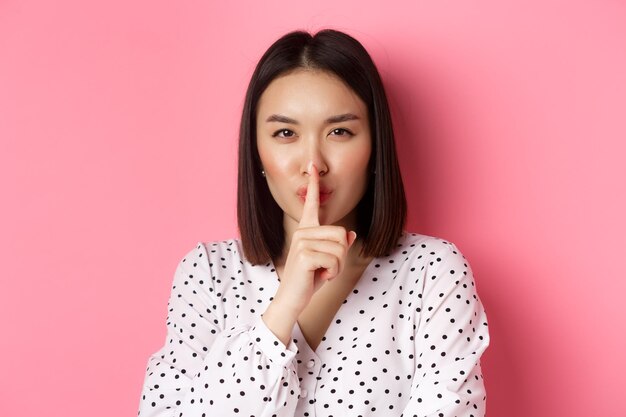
(315, 153)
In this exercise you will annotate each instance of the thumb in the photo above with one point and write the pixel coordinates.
(351, 238)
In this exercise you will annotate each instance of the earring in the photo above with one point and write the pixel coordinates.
(263, 173)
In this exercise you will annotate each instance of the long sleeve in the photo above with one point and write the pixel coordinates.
(451, 336)
(206, 369)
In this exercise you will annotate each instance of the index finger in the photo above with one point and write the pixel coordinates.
(310, 212)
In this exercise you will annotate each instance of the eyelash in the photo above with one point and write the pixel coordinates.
(345, 131)
(280, 133)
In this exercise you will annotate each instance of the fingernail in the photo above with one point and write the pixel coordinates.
(310, 167)
(353, 237)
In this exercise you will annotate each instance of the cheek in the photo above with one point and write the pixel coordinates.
(269, 160)
(277, 167)
(357, 160)
(357, 170)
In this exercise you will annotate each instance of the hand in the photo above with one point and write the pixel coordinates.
(317, 253)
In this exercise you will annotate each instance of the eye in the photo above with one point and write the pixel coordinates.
(283, 133)
(340, 131)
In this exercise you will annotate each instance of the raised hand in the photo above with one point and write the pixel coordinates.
(317, 254)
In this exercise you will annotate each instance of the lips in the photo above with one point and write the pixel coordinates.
(325, 193)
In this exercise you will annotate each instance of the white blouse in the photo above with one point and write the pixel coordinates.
(406, 342)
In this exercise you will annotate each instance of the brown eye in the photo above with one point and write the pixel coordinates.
(283, 133)
(341, 132)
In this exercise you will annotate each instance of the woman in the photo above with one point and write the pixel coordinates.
(326, 306)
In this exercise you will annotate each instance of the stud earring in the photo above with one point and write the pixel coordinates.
(263, 173)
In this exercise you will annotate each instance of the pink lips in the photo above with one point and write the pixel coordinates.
(325, 193)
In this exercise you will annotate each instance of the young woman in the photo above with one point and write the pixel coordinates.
(325, 306)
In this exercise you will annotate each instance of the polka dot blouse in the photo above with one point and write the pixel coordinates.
(406, 342)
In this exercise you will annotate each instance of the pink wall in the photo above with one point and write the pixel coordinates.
(118, 125)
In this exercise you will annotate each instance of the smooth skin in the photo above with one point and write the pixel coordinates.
(313, 135)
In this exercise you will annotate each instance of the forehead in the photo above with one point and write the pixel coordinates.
(308, 92)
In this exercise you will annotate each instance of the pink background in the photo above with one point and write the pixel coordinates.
(118, 127)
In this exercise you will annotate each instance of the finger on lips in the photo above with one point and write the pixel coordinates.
(326, 245)
(310, 212)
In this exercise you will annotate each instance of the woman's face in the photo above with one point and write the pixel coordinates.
(310, 115)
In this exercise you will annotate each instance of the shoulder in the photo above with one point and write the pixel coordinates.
(411, 245)
(202, 269)
(212, 253)
(221, 258)
(429, 259)
(441, 264)
(206, 260)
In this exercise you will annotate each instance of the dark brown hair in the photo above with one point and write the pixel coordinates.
(381, 213)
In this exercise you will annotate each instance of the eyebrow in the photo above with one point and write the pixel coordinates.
(331, 120)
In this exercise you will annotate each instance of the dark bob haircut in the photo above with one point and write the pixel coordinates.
(381, 213)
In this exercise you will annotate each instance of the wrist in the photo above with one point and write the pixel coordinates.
(280, 319)
(287, 304)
